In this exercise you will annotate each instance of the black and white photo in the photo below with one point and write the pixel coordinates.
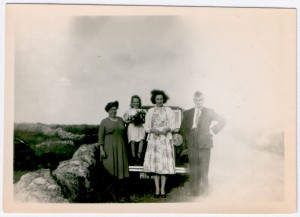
(145, 107)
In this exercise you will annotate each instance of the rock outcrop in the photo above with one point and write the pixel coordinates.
(48, 131)
(66, 135)
(74, 175)
(55, 147)
(38, 186)
(72, 179)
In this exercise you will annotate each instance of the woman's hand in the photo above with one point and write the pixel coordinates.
(155, 131)
(102, 152)
(165, 131)
(127, 118)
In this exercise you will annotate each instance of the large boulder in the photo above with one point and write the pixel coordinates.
(38, 186)
(74, 175)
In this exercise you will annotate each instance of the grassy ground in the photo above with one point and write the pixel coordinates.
(176, 189)
(142, 191)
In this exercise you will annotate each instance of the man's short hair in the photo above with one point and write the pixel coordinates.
(198, 94)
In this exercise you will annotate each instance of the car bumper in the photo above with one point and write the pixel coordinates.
(140, 169)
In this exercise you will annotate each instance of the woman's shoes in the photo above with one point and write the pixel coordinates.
(160, 195)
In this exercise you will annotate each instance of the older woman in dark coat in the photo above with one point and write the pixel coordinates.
(112, 145)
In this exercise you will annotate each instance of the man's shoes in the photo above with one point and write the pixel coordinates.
(195, 193)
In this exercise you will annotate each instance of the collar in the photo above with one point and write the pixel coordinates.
(159, 107)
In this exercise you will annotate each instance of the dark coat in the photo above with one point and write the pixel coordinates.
(201, 137)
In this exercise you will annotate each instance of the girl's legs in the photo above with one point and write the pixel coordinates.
(156, 182)
(163, 184)
(139, 155)
(133, 149)
(134, 159)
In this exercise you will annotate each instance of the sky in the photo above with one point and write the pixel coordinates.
(69, 66)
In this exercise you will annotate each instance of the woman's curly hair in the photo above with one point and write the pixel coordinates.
(154, 93)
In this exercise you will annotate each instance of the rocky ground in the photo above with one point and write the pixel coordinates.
(38, 186)
(238, 175)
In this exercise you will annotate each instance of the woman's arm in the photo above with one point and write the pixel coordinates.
(147, 125)
(101, 135)
(126, 117)
(171, 122)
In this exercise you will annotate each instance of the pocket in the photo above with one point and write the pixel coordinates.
(108, 132)
(207, 141)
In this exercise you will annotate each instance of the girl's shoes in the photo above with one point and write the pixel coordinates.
(139, 156)
(139, 159)
(134, 160)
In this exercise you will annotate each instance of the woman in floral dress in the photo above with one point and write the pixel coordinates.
(159, 157)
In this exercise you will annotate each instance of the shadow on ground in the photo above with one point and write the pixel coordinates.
(136, 190)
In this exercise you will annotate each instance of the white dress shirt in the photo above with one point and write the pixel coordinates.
(197, 114)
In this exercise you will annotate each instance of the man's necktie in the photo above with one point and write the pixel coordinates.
(197, 117)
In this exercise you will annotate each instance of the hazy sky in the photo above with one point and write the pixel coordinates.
(68, 68)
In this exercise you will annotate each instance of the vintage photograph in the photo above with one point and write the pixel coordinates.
(149, 109)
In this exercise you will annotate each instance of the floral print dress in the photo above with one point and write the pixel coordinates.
(159, 157)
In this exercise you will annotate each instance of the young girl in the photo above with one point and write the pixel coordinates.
(135, 133)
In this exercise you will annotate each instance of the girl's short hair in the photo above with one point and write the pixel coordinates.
(154, 93)
(135, 97)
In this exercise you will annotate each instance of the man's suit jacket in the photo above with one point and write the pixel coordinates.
(201, 137)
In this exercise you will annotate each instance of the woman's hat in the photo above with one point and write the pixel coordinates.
(111, 104)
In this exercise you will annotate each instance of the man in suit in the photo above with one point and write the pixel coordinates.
(197, 130)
